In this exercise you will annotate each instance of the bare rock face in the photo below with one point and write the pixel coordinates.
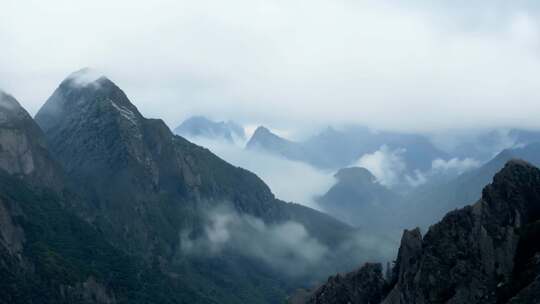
(22, 145)
(470, 254)
(408, 259)
(23, 155)
(11, 234)
(364, 285)
(31, 187)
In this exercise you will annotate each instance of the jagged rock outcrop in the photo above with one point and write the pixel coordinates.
(470, 255)
(364, 285)
(485, 253)
(408, 257)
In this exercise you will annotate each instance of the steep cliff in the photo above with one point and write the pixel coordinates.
(484, 253)
(48, 254)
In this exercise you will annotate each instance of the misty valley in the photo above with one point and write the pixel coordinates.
(99, 204)
(269, 152)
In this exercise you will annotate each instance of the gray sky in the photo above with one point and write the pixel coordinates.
(288, 63)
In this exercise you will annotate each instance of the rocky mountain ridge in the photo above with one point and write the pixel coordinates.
(477, 254)
(134, 203)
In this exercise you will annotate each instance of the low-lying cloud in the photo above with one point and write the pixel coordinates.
(455, 164)
(289, 180)
(390, 168)
(85, 77)
(416, 179)
(386, 164)
(287, 246)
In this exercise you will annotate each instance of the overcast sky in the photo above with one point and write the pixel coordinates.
(288, 63)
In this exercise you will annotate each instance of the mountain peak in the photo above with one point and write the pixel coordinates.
(198, 118)
(85, 77)
(359, 200)
(515, 190)
(516, 164)
(88, 79)
(84, 94)
(200, 126)
(7, 101)
(96, 118)
(262, 131)
(10, 109)
(263, 137)
(22, 144)
(355, 174)
(515, 173)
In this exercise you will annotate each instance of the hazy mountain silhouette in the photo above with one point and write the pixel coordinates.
(360, 200)
(200, 126)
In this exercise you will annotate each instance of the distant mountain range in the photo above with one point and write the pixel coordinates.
(430, 203)
(335, 149)
(486, 145)
(363, 202)
(200, 126)
(418, 159)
